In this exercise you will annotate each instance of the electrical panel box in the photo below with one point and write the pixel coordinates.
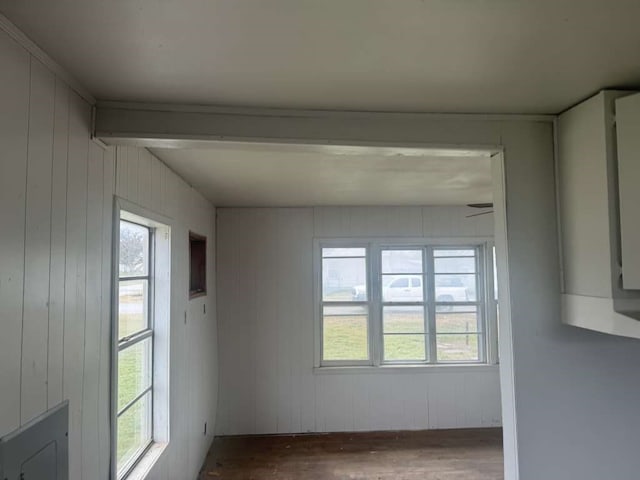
(38, 450)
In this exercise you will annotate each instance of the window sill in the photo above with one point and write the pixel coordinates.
(419, 369)
(146, 463)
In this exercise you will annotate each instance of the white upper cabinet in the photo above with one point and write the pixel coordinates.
(628, 138)
(596, 203)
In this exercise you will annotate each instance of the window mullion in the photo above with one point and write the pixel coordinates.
(135, 338)
(135, 400)
(430, 310)
(375, 307)
(491, 322)
(483, 301)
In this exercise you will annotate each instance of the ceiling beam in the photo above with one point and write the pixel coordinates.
(176, 126)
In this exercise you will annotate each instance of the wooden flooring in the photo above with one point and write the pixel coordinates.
(474, 454)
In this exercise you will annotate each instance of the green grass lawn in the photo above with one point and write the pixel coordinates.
(133, 426)
(345, 337)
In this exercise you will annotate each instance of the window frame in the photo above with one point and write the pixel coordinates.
(135, 338)
(487, 318)
(157, 330)
(376, 251)
(321, 303)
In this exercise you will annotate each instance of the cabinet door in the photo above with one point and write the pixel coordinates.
(628, 139)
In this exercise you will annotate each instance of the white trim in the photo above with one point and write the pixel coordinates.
(180, 127)
(148, 460)
(507, 376)
(128, 211)
(30, 46)
(386, 241)
(373, 246)
(289, 112)
(597, 313)
(319, 304)
(491, 306)
(440, 368)
(556, 176)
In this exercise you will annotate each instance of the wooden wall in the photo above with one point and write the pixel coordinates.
(265, 321)
(56, 207)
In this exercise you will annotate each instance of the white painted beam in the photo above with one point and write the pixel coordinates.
(179, 126)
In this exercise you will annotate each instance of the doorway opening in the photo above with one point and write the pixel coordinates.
(358, 291)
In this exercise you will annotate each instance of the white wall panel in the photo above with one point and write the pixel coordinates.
(35, 324)
(193, 351)
(93, 317)
(104, 374)
(265, 318)
(56, 210)
(58, 244)
(14, 125)
(76, 275)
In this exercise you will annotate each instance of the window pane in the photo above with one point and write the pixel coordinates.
(457, 322)
(344, 279)
(402, 261)
(495, 275)
(134, 432)
(455, 288)
(345, 333)
(402, 288)
(404, 347)
(457, 348)
(446, 252)
(133, 306)
(134, 371)
(455, 265)
(134, 250)
(344, 252)
(403, 319)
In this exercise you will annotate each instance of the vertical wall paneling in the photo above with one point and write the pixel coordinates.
(104, 374)
(157, 190)
(56, 208)
(145, 179)
(90, 391)
(122, 172)
(58, 242)
(75, 291)
(265, 321)
(14, 98)
(131, 164)
(37, 243)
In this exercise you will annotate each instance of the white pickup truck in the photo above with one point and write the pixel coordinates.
(408, 288)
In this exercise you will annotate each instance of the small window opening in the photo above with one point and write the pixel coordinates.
(197, 265)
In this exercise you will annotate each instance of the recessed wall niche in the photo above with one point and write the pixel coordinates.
(197, 265)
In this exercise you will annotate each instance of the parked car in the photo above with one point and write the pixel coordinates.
(450, 289)
(408, 288)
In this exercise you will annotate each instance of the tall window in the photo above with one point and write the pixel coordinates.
(345, 306)
(404, 326)
(135, 331)
(404, 304)
(459, 304)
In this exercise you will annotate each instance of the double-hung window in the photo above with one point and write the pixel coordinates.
(135, 324)
(386, 303)
(345, 306)
(140, 340)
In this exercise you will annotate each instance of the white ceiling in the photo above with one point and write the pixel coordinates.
(517, 56)
(244, 175)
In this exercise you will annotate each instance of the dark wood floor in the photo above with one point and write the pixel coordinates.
(426, 455)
